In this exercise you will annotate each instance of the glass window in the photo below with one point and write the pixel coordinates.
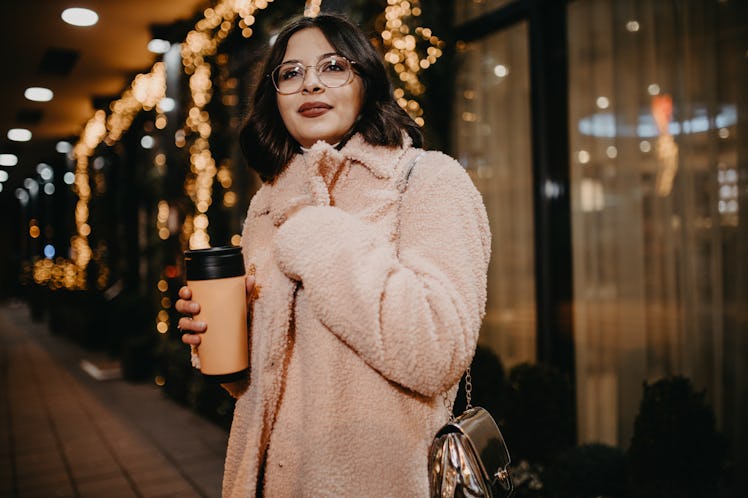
(469, 9)
(492, 141)
(659, 227)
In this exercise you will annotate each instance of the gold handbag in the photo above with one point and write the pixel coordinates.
(468, 457)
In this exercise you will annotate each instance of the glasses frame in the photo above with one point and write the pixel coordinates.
(273, 75)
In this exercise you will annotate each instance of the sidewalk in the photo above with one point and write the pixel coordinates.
(64, 434)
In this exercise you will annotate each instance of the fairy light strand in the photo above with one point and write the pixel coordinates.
(401, 44)
(402, 52)
(312, 8)
(201, 43)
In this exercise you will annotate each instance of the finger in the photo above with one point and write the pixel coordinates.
(187, 324)
(185, 292)
(180, 305)
(191, 339)
(187, 307)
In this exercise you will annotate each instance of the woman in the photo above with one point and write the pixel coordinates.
(367, 289)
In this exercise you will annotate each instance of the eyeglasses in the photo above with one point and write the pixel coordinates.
(332, 71)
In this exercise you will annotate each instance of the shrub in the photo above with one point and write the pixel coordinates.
(540, 413)
(587, 471)
(675, 451)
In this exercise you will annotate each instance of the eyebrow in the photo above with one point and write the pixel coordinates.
(328, 54)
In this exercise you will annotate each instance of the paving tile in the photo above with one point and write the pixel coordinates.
(38, 463)
(141, 459)
(44, 480)
(157, 489)
(69, 435)
(47, 492)
(207, 475)
(94, 469)
(115, 486)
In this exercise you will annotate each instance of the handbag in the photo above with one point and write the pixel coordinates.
(469, 457)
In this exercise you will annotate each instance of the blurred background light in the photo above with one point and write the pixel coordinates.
(63, 147)
(19, 134)
(8, 159)
(159, 46)
(78, 16)
(38, 94)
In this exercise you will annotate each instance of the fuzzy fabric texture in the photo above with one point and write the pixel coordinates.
(361, 322)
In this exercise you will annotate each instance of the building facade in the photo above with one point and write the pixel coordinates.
(607, 139)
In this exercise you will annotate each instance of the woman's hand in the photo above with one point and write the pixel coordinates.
(191, 328)
(185, 304)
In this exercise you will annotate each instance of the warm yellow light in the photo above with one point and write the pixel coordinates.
(402, 51)
(229, 199)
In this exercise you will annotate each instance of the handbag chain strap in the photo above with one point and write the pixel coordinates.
(468, 396)
(468, 389)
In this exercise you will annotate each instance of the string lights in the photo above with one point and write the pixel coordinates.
(201, 43)
(147, 91)
(401, 46)
(312, 8)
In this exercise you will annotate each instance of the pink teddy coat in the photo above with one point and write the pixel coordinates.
(360, 324)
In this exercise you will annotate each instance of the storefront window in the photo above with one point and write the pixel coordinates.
(492, 141)
(658, 202)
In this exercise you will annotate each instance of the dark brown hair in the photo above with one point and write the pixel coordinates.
(265, 142)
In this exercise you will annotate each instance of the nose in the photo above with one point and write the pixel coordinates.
(311, 83)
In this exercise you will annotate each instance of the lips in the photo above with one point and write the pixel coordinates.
(314, 109)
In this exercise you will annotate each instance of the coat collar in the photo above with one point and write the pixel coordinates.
(381, 164)
(306, 177)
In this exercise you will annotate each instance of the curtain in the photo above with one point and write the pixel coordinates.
(657, 130)
(491, 139)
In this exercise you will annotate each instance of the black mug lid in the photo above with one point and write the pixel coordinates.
(215, 262)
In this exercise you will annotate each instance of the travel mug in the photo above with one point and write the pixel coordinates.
(216, 277)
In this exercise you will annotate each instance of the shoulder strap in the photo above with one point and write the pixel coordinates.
(403, 183)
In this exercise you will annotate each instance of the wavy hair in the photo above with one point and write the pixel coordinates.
(264, 139)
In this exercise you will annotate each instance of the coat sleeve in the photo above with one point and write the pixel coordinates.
(414, 317)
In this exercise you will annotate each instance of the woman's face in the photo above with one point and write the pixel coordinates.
(317, 112)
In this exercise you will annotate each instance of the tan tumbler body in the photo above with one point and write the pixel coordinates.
(223, 349)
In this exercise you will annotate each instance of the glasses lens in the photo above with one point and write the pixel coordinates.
(334, 71)
(288, 77)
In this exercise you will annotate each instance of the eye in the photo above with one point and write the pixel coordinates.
(333, 65)
(290, 72)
